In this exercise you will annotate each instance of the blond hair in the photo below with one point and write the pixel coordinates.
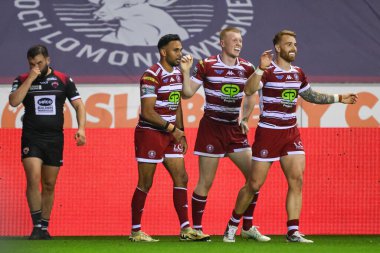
(228, 29)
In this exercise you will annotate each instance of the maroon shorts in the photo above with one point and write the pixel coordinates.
(215, 139)
(271, 144)
(152, 146)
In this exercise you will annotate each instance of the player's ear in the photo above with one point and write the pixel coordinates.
(48, 60)
(222, 43)
(163, 51)
(277, 48)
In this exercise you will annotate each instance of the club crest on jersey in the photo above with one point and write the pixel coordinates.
(55, 85)
(296, 77)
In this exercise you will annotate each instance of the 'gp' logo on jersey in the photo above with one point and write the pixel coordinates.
(174, 97)
(289, 95)
(230, 90)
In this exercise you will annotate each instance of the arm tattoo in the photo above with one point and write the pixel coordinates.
(317, 98)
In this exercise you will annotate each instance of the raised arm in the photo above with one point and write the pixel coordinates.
(17, 96)
(321, 98)
(189, 87)
(253, 82)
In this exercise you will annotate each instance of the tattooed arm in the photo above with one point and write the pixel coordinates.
(321, 98)
(317, 98)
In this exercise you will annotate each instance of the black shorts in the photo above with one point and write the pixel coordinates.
(48, 149)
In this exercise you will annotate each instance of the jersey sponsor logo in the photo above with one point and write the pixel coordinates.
(148, 78)
(288, 97)
(114, 33)
(147, 89)
(35, 87)
(279, 77)
(230, 73)
(174, 98)
(230, 91)
(45, 105)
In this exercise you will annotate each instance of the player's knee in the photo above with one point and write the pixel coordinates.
(181, 179)
(296, 183)
(48, 186)
(254, 185)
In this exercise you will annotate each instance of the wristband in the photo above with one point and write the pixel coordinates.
(166, 125)
(337, 98)
(174, 128)
(259, 71)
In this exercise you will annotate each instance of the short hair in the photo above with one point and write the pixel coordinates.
(228, 29)
(279, 35)
(164, 40)
(36, 50)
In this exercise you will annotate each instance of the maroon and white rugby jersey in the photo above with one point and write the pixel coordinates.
(223, 86)
(278, 96)
(166, 87)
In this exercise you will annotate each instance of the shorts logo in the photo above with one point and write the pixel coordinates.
(112, 33)
(151, 154)
(25, 150)
(210, 148)
(178, 148)
(264, 153)
(298, 145)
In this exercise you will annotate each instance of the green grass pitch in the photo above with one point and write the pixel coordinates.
(171, 244)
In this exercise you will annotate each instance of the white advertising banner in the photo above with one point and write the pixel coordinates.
(118, 105)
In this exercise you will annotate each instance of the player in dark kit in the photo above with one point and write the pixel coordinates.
(43, 92)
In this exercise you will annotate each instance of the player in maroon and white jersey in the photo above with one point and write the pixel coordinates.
(43, 92)
(220, 132)
(277, 138)
(159, 137)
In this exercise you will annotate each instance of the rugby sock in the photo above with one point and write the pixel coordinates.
(235, 219)
(44, 224)
(181, 206)
(36, 218)
(138, 203)
(198, 204)
(292, 226)
(248, 214)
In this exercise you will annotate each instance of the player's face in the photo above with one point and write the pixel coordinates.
(173, 53)
(287, 48)
(41, 62)
(232, 44)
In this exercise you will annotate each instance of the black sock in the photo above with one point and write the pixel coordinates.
(36, 218)
(44, 224)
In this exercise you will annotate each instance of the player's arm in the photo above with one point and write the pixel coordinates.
(179, 124)
(321, 98)
(150, 115)
(253, 82)
(80, 135)
(17, 96)
(189, 87)
(248, 106)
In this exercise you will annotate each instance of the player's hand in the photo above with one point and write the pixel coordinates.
(80, 137)
(186, 63)
(184, 144)
(178, 134)
(349, 98)
(266, 59)
(244, 126)
(34, 73)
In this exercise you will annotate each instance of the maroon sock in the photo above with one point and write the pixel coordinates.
(181, 206)
(292, 226)
(248, 214)
(138, 203)
(198, 204)
(235, 219)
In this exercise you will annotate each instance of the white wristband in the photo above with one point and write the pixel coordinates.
(336, 98)
(259, 71)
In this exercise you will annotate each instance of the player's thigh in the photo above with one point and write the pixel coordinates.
(146, 173)
(259, 172)
(242, 160)
(176, 169)
(32, 168)
(207, 169)
(49, 175)
(293, 166)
